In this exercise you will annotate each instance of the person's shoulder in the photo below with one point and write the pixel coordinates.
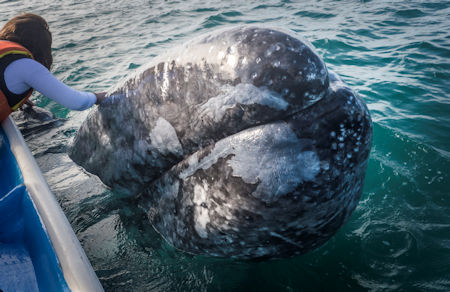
(27, 65)
(28, 62)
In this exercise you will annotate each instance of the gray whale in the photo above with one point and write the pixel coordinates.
(240, 143)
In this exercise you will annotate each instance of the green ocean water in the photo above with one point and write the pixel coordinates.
(395, 54)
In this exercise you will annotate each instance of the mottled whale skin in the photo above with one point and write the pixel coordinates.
(239, 144)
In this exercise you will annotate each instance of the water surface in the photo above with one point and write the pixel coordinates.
(395, 54)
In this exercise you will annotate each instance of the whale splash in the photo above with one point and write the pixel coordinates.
(240, 143)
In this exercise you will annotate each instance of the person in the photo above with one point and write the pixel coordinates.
(25, 62)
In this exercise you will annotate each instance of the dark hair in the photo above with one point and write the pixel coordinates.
(31, 31)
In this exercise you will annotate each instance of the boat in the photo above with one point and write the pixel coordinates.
(39, 250)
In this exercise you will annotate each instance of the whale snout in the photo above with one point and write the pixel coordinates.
(240, 143)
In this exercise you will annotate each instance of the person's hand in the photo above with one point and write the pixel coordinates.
(100, 97)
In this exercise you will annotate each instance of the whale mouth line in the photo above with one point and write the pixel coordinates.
(326, 99)
(267, 122)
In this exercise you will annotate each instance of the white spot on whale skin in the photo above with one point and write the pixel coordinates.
(221, 55)
(164, 138)
(311, 76)
(273, 48)
(243, 93)
(232, 61)
(201, 216)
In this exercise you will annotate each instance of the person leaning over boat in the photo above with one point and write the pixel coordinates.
(25, 61)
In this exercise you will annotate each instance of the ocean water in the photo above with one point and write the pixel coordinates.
(395, 54)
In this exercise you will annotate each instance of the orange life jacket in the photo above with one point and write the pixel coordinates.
(8, 48)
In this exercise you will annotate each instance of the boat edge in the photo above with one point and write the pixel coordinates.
(76, 268)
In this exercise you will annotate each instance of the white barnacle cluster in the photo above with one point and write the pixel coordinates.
(243, 93)
(165, 81)
(252, 150)
(164, 138)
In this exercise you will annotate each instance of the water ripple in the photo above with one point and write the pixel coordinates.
(396, 56)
